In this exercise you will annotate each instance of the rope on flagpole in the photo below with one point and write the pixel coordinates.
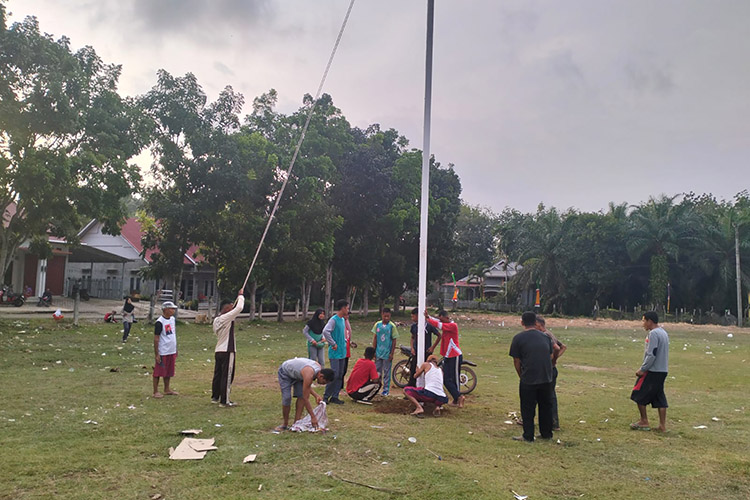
(299, 142)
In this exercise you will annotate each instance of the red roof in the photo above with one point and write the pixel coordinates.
(133, 234)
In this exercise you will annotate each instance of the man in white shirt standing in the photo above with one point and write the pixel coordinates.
(226, 348)
(165, 349)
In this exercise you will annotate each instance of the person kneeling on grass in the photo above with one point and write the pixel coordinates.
(432, 392)
(295, 378)
(364, 382)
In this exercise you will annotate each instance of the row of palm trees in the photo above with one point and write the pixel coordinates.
(671, 252)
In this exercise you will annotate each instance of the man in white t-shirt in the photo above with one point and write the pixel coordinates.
(165, 349)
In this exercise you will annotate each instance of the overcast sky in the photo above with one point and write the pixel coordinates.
(573, 104)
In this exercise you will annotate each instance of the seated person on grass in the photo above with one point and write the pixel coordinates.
(432, 392)
(295, 378)
(364, 382)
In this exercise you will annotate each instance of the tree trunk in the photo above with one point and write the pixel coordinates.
(329, 285)
(396, 304)
(253, 290)
(280, 302)
(381, 300)
(365, 301)
(307, 299)
(738, 273)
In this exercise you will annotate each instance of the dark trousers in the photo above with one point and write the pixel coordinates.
(223, 376)
(125, 330)
(531, 396)
(555, 417)
(333, 388)
(451, 368)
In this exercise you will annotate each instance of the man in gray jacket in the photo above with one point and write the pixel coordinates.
(225, 351)
(649, 388)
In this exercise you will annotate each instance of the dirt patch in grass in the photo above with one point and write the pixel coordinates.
(394, 406)
(258, 380)
(585, 368)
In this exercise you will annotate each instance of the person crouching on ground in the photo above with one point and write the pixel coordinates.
(649, 389)
(226, 348)
(295, 379)
(165, 349)
(364, 382)
(432, 392)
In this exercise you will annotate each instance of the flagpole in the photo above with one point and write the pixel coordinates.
(425, 199)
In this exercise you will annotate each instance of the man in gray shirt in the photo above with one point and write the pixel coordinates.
(649, 389)
(296, 377)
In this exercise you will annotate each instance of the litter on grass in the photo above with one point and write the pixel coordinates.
(249, 458)
(700, 427)
(412, 440)
(715, 419)
(192, 449)
(189, 432)
(519, 497)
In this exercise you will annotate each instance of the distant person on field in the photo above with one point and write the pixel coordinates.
(649, 389)
(429, 346)
(110, 317)
(128, 317)
(295, 379)
(451, 352)
(432, 392)
(532, 352)
(165, 349)
(384, 335)
(47, 297)
(541, 325)
(364, 382)
(226, 350)
(335, 334)
(313, 332)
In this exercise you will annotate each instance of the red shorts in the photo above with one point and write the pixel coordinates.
(166, 367)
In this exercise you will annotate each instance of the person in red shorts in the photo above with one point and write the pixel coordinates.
(165, 349)
(432, 392)
(364, 382)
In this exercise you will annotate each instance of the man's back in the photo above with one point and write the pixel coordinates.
(534, 349)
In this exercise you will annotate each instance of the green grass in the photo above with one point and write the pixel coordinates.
(54, 379)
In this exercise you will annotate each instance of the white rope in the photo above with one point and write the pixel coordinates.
(300, 141)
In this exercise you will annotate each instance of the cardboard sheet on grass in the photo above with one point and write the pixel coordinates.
(305, 425)
(192, 449)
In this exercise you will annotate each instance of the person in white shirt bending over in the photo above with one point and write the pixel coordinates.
(432, 392)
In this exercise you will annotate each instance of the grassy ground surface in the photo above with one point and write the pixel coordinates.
(54, 378)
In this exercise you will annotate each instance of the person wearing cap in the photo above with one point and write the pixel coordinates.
(165, 349)
(225, 350)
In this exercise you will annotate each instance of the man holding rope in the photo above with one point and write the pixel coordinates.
(225, 350)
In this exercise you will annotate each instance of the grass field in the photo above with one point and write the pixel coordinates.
(55, 378)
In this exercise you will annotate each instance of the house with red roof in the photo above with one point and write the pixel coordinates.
(109, 266)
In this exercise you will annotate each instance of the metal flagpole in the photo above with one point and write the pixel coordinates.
(425, 199)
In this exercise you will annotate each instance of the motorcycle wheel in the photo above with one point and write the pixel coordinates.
(18, 302)
(467, 380)
(401, 373)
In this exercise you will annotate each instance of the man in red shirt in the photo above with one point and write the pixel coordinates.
(364, 382)
(452, 355)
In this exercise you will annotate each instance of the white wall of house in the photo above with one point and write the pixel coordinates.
(116, 245)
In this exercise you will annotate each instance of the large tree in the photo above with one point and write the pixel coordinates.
(66, 137)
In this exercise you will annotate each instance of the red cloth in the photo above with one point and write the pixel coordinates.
(449, 331)
(348, 336)
(364, 371)
(166, 368)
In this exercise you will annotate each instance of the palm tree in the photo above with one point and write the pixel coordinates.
(661, 229)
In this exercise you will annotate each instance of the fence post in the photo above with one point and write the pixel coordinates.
(76, 304)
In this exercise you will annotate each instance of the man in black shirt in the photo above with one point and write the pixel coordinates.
(429, 346)
(532, 352)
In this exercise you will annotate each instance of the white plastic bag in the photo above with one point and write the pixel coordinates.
(304, 424)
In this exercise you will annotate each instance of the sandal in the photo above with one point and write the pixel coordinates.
(281, 428)
(636, 427)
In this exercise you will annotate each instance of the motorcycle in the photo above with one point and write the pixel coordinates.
(467, 378)
(10, 298)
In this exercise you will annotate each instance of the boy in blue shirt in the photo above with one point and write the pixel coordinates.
(384, 338)
(335, 334)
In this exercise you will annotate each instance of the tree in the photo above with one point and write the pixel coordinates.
(475, 243)
(66, 137)
(661, 230)
(192, 148)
